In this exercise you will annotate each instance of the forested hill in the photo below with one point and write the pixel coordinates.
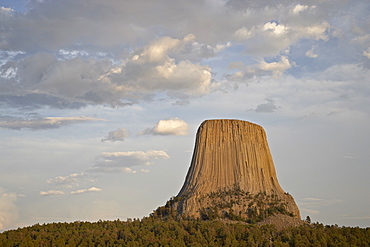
(158, 232)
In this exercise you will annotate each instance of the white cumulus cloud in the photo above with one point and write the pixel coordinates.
(154, 68)
(171, 126)
(277, 68)
(276, 29)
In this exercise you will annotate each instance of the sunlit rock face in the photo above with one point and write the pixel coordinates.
(231, 172)
(231, 153)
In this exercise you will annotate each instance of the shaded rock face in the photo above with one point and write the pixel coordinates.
(231, 174)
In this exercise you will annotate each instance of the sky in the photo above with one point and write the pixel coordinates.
(100, 101)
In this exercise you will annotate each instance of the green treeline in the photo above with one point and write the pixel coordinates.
(151, 231)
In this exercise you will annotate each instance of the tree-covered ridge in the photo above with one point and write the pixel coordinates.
(158, 232)
(232, 204)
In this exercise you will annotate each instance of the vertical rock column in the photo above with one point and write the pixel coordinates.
(230, 154)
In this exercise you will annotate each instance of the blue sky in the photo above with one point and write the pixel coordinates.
(100, 101)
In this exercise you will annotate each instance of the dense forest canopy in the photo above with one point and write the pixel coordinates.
(151, 231)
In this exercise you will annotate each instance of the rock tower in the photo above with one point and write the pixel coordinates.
(232, 175)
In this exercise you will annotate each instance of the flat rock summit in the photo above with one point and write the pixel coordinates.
(231, 176)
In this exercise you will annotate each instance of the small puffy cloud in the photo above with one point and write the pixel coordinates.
(123, 161)
(125, 170)
(366, 53)
(266, 107)
(243, 34)
(6, 11)
(310, 53)
(41, 123)
(171, 126)
(67, 181)
(296, 10)
(117, 135)
(316, 32)
(274, 28)
(276, 69)
(8, 209)
(51, 193)
(83, 191)
(157, 51)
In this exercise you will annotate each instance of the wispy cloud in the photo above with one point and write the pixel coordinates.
(310, 53)
(41, 123)
(349, 157)
(124, 161)
(51, 193)
(69, 181)
(82, 191)
(262, 68)
(117, 135)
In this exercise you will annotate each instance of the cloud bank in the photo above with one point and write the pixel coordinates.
(75, 60)
(75, 82)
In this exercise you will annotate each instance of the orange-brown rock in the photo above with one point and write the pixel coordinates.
(231, 174)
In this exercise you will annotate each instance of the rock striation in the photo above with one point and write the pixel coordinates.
(232, 175)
